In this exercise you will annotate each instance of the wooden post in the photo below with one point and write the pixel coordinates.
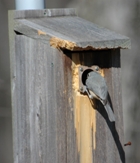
(52, 121)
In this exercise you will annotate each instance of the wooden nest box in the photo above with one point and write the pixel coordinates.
(53, 122)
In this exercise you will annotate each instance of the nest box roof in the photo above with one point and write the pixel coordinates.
(64, 29)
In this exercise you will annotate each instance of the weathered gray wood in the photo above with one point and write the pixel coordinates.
(62, 30)
(41, 103)
(109, 135)
(72, 148)
(43, 110)
(21, 14)
(45, 118)
(13, 93)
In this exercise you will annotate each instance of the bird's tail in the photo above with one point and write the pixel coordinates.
(109, 112)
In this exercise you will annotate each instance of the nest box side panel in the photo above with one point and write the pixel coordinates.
(98, 139)
(113, 132)
(42, 104)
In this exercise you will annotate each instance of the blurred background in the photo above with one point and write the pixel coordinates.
(117, 15)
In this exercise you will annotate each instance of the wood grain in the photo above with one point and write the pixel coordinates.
(43, 110)
(21, 14)
(101, 137)
(64, 25)
(43, 101)
(52, 121)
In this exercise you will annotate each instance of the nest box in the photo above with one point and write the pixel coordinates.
(54, 121)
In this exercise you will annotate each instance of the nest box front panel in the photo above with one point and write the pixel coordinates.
(43, 115)
(98, 139)
(55, 120)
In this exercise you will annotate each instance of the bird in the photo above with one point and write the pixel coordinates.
(97, 88)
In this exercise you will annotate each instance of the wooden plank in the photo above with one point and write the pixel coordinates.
(13, 93)
(105, 137)
(21, 14)
(66, 35)
(62, 30)
(71, 147)
(30, 110)
(43, 119)
(110, 132)
(85, 121)
(45, 101)
(113, 131)
(43, 114)
(118, 131)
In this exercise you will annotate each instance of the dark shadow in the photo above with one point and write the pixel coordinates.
(17, 33)
(112, 127)
(102, 58)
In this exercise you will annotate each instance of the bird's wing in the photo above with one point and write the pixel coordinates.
(96, 83)
(109, 111)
